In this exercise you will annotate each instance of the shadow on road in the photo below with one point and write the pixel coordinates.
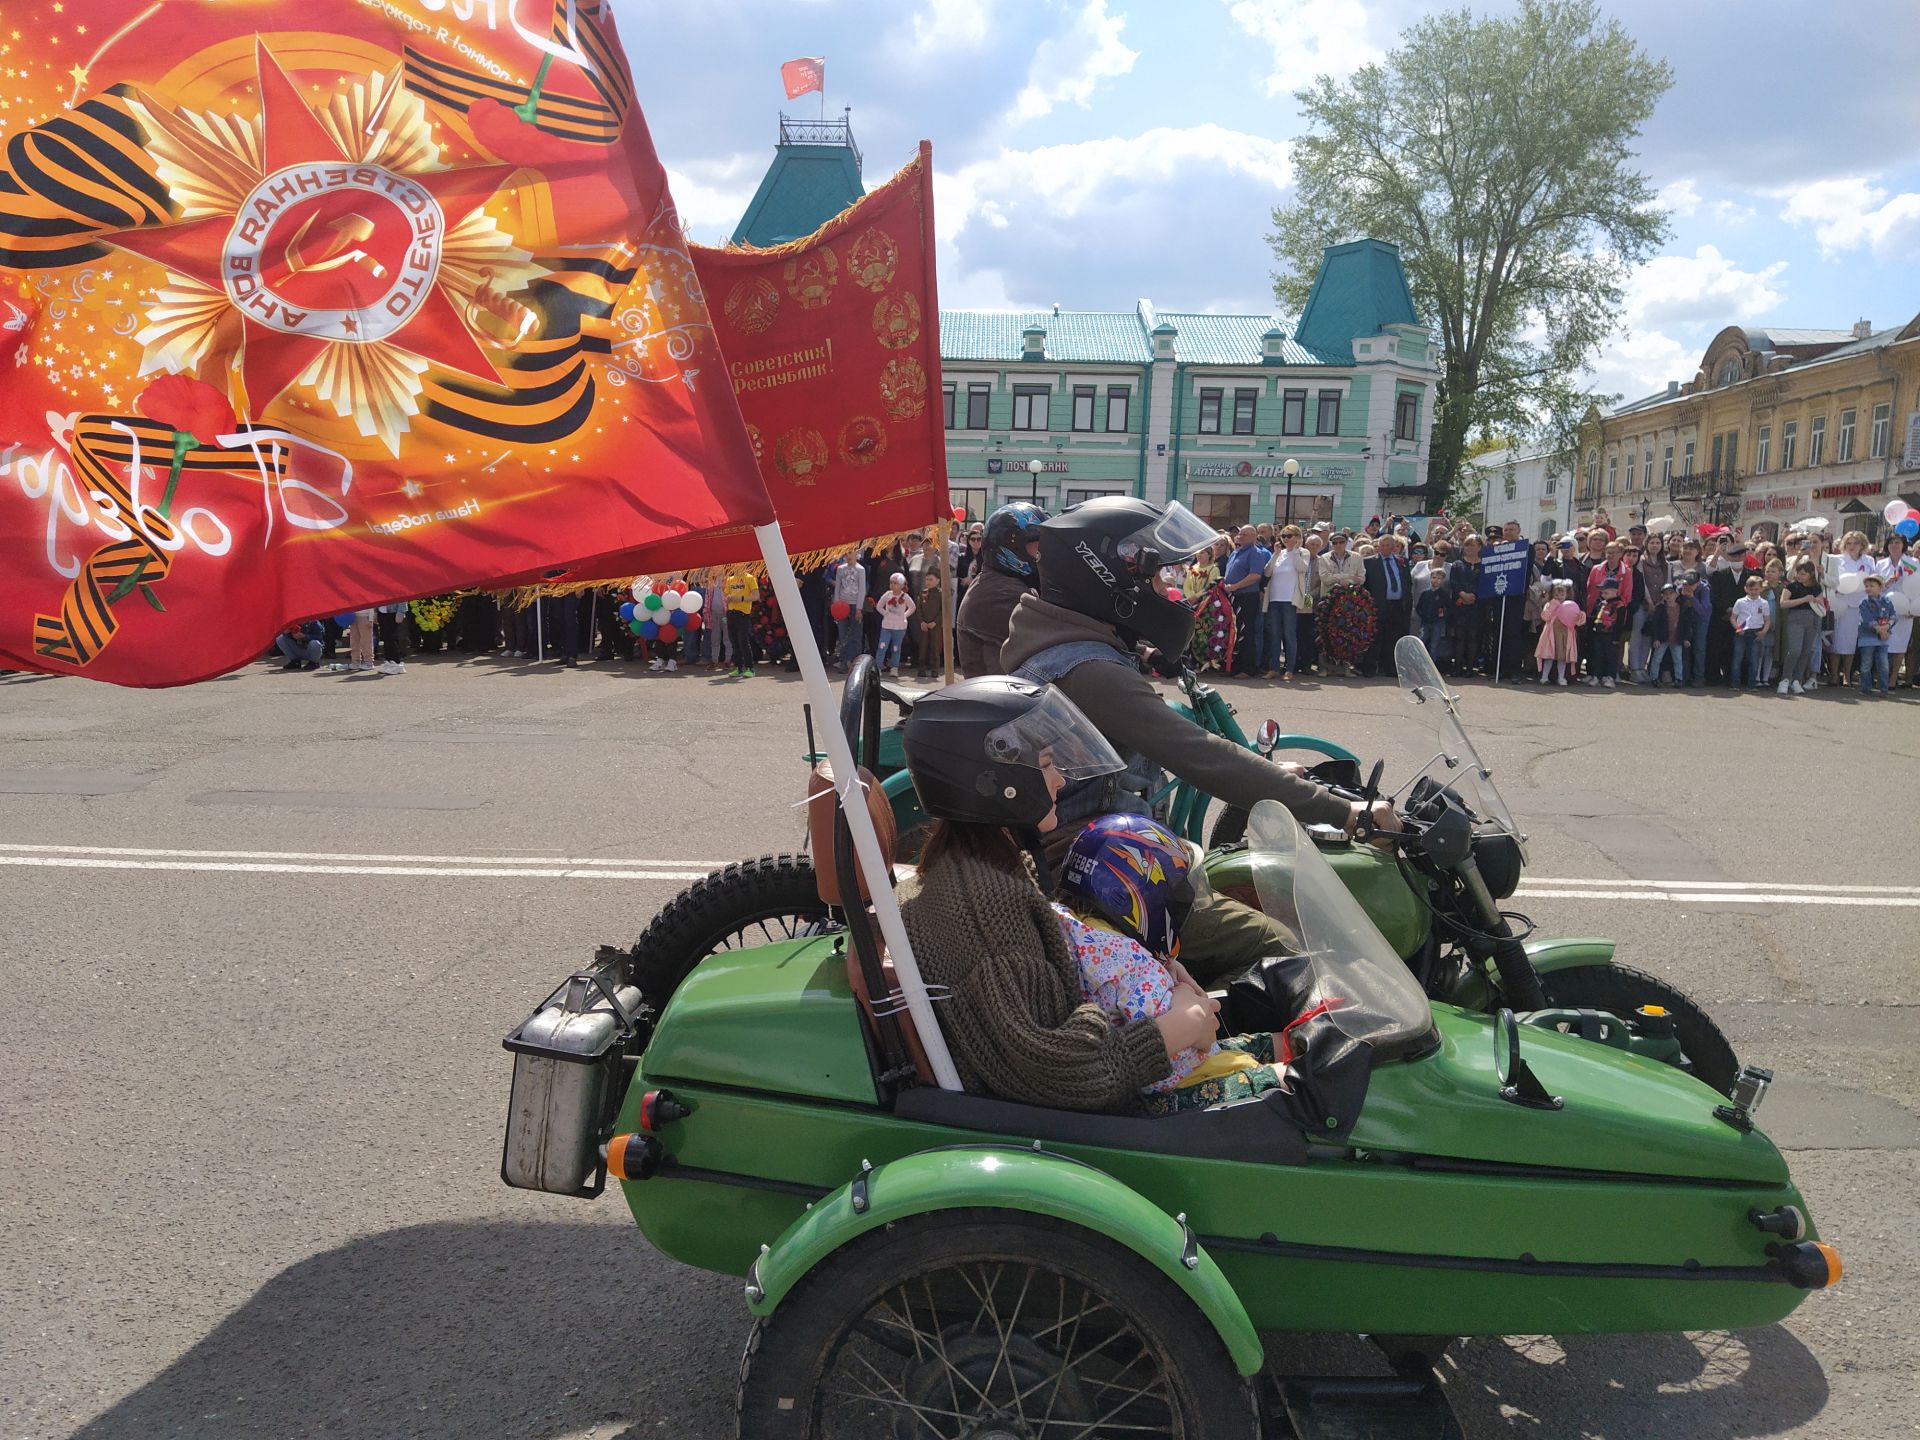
(553, 1329)
(456, 1330)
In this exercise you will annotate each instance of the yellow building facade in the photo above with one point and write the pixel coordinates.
(1775, 426)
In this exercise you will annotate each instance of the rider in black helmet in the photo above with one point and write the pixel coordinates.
(1098, 608)
(1012, 541)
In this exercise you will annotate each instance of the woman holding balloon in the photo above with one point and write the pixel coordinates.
(1850, 572)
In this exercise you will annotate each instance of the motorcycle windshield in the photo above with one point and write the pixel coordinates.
(1370, 993)
(1462, 769)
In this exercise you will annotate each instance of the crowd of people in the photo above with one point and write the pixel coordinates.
(1597, 605)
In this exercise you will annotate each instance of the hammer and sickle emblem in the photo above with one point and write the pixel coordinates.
(348, 230)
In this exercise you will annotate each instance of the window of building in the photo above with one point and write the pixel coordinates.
(1613, 473)
(1223, 512)
(978, 395)
(1304, 510)
(1210, 412)
(1646, 470)
(1509, 487)
(1593, 469)
(1328, 421)
(1881, 433)
(1083, 407)
(1843, 442)
(972, 499)
(1816, 441)
(1730, 371)
(1763, 443)
(1633, 460)
(1293, 412)
(1686, 459)
(1406, 418)
(947, 393)
(1030, 407)
(1117, 397)
(1075, 496)
(1553, 482)
(1733, 451)
(1666, 466)
(1718, 443)
(1243, 403)
(1789, 441)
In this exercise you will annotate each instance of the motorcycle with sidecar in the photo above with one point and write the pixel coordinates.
(920, 1261)
(1440, 910)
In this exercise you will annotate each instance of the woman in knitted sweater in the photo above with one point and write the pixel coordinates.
(988, 757)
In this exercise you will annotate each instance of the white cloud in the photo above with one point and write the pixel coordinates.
(943, 26)
(1307, 38)
(1851, 211)
(1732, 212)
(1065, 180)
(712, 195)
(1071, 66)
(1703, 288)
(1681, 197)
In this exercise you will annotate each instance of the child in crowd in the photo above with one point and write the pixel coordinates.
(1669, 629)
(933, 635)
(360, 641)
(1559, 644)
(1802, 605)
(849, 593)
(1774, 584)
(742, 592)
(1876, 624)
(1752, 623)
(896, 607)
(1127, 886)
(1603, 620)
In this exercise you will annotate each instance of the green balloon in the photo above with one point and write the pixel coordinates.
(653, 602)
(634, 625)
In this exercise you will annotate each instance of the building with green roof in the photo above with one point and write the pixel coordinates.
(815, 175)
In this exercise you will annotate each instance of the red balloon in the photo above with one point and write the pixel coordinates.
(840, 609)
(679, 587)
(691, 622)
(1174, 595)
(668, 634)
(959, 514)
(659, 587)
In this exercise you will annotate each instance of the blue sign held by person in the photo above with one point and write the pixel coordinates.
(1503, 568)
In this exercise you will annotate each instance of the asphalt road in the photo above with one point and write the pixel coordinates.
(259, 940)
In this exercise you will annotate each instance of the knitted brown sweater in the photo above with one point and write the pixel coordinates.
(1014, 1017)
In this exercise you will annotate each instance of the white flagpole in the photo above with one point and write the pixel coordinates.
(866, 843)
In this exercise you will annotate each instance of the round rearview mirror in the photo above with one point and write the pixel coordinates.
(1267, 736)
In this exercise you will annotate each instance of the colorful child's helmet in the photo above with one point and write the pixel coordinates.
(1135, 874)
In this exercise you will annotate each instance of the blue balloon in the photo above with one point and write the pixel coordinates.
(345, 622)
(626, 610)
(1908, 528)
(649, 629)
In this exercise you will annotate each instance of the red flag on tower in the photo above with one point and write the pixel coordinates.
(804, 75)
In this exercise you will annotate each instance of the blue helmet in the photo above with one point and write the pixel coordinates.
(1010, 529)
(1135, 874)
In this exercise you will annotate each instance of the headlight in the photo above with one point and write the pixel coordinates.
(1498, 857)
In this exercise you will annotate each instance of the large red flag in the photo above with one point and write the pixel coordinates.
(321, 304)
(833, 344)
(803, 75)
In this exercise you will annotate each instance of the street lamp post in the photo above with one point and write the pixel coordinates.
(1034, 467)
(1290, 469)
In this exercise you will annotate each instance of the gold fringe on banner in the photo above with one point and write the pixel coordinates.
(522, 596)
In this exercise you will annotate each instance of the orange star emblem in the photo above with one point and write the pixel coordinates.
(314, 247)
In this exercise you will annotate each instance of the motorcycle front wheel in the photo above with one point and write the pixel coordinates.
(1620, 990)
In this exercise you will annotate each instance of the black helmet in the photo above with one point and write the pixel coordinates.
(1101, 558)
(1010, 529)
(974, 749)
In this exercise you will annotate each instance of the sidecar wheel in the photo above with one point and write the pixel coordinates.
(1620, 990)
(970, 1322)
(754, 902)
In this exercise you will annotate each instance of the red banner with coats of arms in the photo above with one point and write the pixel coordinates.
(833, 347)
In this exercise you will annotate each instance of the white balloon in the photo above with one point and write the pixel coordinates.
(691, 602)
(671, 600)
(642, 587)
(1896, 511)
(1901, 604)
(1849, 583)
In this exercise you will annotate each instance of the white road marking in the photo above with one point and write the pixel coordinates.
(702, 866)
(495, 872)
(1721, 897)
(1721, 885)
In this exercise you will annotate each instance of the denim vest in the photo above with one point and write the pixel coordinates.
(1127, 791)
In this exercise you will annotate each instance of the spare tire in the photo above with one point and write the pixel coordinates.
(752, 902)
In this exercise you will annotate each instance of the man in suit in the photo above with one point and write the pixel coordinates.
(1391, 587)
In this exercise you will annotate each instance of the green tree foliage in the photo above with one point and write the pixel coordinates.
(1498, 155)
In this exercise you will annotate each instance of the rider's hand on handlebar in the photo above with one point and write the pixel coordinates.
(1189, 1024)
(1380, 816)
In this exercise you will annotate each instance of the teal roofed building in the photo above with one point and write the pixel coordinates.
(815, 175)
(1199, 407)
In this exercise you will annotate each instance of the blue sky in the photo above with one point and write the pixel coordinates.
(1090, 152)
